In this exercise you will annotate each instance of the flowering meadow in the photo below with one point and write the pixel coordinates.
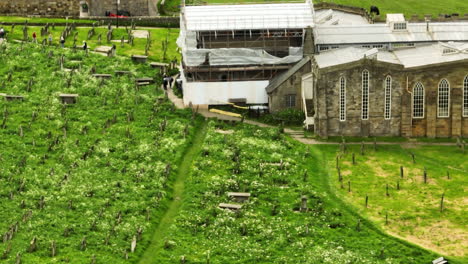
(83, 182)
(273, 226)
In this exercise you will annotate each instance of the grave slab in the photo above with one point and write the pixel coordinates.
(140, 33)
(233, 207)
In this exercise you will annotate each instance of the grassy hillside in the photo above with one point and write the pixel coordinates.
(271, 227)
(155, 53)
(88, 178)
(411, 206)
(408, 7)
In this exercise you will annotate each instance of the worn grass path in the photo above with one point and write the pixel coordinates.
(157, 240)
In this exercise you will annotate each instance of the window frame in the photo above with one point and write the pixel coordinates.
(342, 98)
(465, 97)
(443, 93)
(388, 97)
(365, 94)
(290, 100)
(423, 101)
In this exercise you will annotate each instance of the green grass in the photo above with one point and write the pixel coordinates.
(414, 210)
(41, 20)
(91, 160)
(158, 35)
(407, 7)
(177, 196)
(269, 228)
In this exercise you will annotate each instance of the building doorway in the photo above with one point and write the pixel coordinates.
(84, 9)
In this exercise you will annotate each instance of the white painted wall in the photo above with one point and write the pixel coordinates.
(217, 93)
(307, 86)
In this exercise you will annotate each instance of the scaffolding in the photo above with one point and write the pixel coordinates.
(232, 51)
(242, 42)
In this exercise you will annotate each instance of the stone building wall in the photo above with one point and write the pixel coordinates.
(292, 86)
(135, 7)
(71, 7)
(40, 7)
(431, 125)
(402, 122)
(327, 100)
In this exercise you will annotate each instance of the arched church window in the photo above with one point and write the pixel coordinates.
(342, 98)
(443, 99)
(365, 95)
(418, 101)
(388, 98)
(465, 97)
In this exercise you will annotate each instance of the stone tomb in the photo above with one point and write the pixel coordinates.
(233, 207)
(121, 73)
(159, 65)
(144, 81)
(140, 33)
(13, 97)
(139, 58)
(102, 76)
(68, 98)
(440, 260)
(239, 197)
(107, 50)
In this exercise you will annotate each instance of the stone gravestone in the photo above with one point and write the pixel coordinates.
(68, 98)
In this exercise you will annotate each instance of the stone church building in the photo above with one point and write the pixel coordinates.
(349, 75)
(390, 79)
(83, 8)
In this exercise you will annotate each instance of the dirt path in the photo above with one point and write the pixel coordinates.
(160, 233)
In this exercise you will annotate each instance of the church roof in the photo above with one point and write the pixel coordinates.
(252, 16)
(351, 54)
(383, 33)
(281, 78)
(418, 56)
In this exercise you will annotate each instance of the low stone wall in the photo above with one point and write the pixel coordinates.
(378, 19)
(158, 21)
(40, 7)
(348, 9)
(173, 22)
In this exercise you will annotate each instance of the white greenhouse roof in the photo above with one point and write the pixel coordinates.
(254, 16)
(329, 17)
(351, 54)
(382, 33)
(395, 18)
(430, 54)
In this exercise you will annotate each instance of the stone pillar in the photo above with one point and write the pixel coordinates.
(431, 113)
(456, 111)
(321, 124)
(406, 115)
(309, 45)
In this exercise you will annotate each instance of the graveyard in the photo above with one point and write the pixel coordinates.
(410, 191)
(85, 161)
(286, 209)
(158, 44)
(100, 164)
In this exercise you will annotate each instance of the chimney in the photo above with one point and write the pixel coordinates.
(309, 45)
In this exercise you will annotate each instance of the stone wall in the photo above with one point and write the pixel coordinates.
(71, 7)
(327, 99)
(431, 125)
(401, 123)
(40, 7)
(135, 7)
(292, 86)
